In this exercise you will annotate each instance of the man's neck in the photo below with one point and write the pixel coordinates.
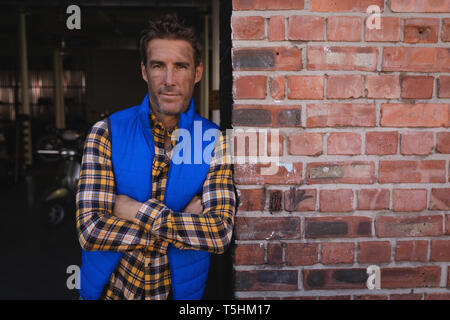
(168, 121)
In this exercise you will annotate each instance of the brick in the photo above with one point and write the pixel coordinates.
(344, 28)
(412, 296)
(440, 199)
(301, 254)
(340, 115)
(342, 58)
(268, 4)
(266, 116)
(338, 227)
(276, 30)
(447, 224)
(373, 199)
(446, 29)
(355, 172)
(417, 143)
(251, 143)
(250, 87)
(251, 199)
(420, 6)
(440, 250)
(410, 171)
(417, 87)
(337, 252)
(381, 142)
(305, 144)
(344, 5)
(444, 87)
(409, 200)
(274, 253)
(374, 252)
(300, 199)
(344, 86)
(414, 277)
(416, 59)
(344, 143)
(306, 28)
(248, 28)
(275, 200)
(266, 280)
(258, 173)
(336, 200)
(417, 115)
(443, 142)
(382, 87)
(421, 30)
(390, 30)
(305, 87)
(277, 87)
(437, 296)
(267, 59)
(248, 254)
(331, 279)
(418, 226)
(267, 228)
(414, 250)
(370, 297)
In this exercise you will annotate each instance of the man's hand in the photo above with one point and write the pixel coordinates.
(194, 206)
(126, 207)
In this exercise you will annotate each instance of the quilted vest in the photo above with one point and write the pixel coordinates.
(133, 151)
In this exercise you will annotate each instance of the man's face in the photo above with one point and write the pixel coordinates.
(171, 75)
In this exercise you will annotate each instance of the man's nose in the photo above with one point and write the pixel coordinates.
(170, 77)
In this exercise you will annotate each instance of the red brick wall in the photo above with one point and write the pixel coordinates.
(364, 121)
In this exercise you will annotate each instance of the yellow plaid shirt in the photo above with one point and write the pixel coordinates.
(143, 272)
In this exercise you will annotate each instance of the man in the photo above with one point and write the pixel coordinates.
(138, 219)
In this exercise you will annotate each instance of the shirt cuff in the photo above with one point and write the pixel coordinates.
(149, 214)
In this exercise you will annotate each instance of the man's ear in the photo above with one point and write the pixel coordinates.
(198, 72)
(144, 72)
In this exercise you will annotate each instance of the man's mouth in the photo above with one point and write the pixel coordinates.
(170, 94)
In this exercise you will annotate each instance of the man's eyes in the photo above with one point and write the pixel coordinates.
(178, 66)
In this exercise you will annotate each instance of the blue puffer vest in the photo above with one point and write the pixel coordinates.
(132, 157)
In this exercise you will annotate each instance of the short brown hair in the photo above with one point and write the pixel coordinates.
(169, 26)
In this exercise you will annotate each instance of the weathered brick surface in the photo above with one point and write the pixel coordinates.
(409, 200)
(300, 199)
(414, 250)
(410, 226)
(440, 199)
(381, 143)
(410, 171)
(340, 115)
(363, 173)
(358, 172)
(338, 227)
(374, 252)
(267, 229)
(302, 254)
(373, 199)
(245, 254)
(338, 252)
(414, 277)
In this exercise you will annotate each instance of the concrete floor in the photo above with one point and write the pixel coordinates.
(34, 260)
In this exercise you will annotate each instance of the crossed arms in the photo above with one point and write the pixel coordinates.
(109, 222)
